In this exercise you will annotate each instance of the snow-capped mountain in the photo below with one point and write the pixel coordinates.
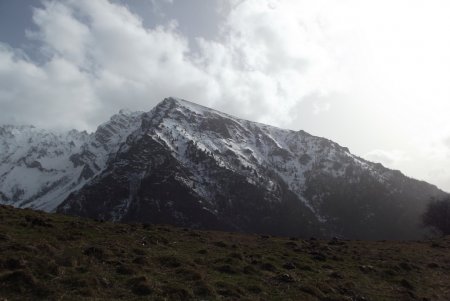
(189, 165)
(35, 165)
(39, 168)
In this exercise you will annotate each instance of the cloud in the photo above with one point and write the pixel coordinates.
(98, 57)
(157, 6)
(268, 61)
(321, 107)
(41, 95)
(447, 142)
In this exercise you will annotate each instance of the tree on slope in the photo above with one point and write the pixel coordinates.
(437, 215)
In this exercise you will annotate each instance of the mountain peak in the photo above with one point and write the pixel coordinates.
(179, 102)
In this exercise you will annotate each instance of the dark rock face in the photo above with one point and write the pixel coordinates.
(195, 167)
(141, 186)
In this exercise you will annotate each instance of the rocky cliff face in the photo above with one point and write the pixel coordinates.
(188, 165)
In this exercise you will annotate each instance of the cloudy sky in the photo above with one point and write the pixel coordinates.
(370, 75)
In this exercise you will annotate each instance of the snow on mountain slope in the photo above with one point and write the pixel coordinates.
(34, 162)
(40, 168)
(105, 142)
(193, 166)
(241, 145)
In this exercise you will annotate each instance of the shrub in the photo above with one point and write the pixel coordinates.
(437, 215)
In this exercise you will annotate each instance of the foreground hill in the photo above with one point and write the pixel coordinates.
(191, 166)
(55, 257)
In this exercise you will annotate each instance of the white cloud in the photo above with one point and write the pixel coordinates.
(320, 107)
(99, 58)
(42, 95)
(255, 70)
(61, 32)
(447, 142)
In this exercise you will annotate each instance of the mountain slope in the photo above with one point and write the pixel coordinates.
(193, 166)
(39, 168)
(35, 166)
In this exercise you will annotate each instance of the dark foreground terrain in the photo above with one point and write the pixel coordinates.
(55, 257)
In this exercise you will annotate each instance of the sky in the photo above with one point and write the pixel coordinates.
(371, 75)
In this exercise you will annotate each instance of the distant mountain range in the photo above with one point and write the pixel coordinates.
(188, 165)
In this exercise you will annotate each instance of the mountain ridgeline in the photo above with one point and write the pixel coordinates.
(191, 166)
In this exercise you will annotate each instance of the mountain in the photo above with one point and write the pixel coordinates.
(188, 165)
(40, 168)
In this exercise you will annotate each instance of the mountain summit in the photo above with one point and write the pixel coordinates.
(188, 165)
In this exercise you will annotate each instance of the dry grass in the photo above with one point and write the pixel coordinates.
(55, 257)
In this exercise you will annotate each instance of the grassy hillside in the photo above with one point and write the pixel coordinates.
(55, 257)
